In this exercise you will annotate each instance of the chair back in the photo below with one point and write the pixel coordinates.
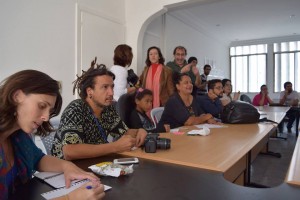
(124, 107)
(245, 98)
(156, 114)
(45, 143)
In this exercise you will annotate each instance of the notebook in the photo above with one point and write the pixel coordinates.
(57, 180)
(63, 191)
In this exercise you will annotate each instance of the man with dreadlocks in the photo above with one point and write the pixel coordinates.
(87, 122)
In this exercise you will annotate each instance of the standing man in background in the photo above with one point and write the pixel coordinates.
(180, 65)
(203, 86)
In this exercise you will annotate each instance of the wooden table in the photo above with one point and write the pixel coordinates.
(280, 109)
(293, 175)
(273, 108)
(194, 168)
(225, 150)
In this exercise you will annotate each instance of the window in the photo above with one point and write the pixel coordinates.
(248, 67)
(286, 61)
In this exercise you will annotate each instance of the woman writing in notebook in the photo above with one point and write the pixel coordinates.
(28, 99)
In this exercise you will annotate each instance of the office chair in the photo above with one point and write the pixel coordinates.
(45, 143)
(245, 98)
(156, 114)
(124, 107)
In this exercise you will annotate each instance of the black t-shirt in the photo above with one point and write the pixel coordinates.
(176, 113)
(140, 120)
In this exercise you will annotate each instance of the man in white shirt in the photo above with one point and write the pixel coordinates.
(289, 97)
(204, 81)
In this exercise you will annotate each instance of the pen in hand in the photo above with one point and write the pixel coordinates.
(89, 187)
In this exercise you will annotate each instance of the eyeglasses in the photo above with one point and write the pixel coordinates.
(219, 88)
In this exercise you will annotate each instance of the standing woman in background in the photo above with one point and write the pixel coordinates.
(157, 77)
(28, 99)
(122, 59)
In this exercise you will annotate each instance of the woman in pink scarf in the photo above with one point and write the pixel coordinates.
(157, 77)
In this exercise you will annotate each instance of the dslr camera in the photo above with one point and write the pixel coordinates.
(152, 142)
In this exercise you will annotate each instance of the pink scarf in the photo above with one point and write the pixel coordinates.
(154, 84)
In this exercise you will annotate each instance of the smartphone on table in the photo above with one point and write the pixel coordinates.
(126, 161)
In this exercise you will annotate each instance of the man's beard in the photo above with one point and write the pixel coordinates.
(99, 105)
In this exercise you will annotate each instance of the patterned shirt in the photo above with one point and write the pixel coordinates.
(78, 125)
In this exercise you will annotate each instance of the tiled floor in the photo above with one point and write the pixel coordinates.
(271, 171)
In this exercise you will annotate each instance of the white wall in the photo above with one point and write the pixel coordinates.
(167, 32)
(139, 13)
(207, 49)
(38, 35)
(46, 35)
(101, 27)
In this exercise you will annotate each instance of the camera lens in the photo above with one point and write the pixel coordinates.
(163, 143)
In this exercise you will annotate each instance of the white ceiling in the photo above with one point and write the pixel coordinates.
(239, 20)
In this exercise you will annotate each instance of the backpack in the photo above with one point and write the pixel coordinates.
(239, 112)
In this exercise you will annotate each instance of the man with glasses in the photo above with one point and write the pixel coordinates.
(210, 102)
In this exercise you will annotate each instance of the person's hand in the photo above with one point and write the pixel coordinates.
(131, 89)
(286, 92)
(140, 137)
(125, 143)
(195, 70)
(72, 172)
(212, 95)
(186, 68)
(236, 95)
(95, 193)
(207, 116)
(213, 121)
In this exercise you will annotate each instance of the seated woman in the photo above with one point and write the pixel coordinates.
(138, 117)
(157, 77)
(26, 106)
(227, 89)
(182, 109)
(262, 98)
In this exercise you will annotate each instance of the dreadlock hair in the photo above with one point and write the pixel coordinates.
(87, 78)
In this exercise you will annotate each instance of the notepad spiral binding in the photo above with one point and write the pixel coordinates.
(63, 191)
